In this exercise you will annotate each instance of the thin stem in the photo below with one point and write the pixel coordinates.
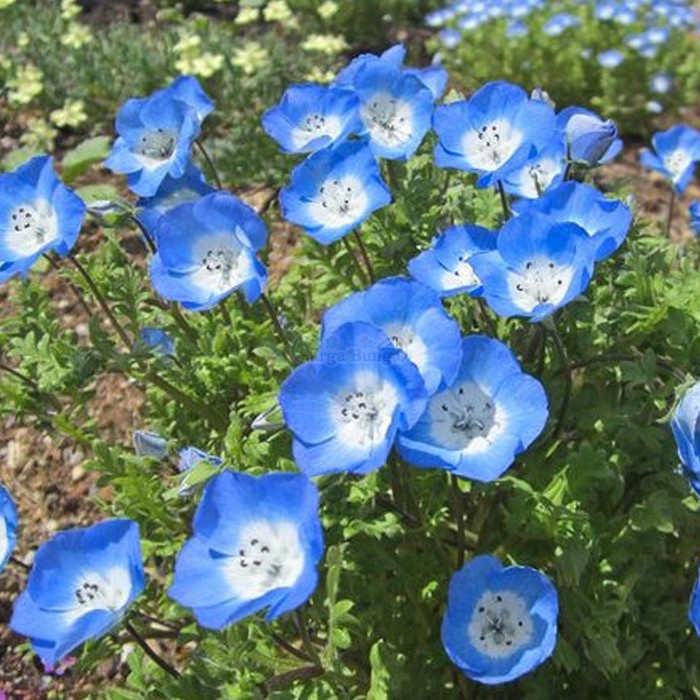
(181, 321)
(20, 563)
(22, 377)
(485, 317)
(459, 517)
(284, 644)
(361, 274)
(504, 200)
(158, 621)
(563, 358)
(210, 164)
(76, 292)
(121, 332)
(567, 171)
(281, 334)
(283, 679)
(309, 648)
(671, 206)
(149, 651)
(365, 257)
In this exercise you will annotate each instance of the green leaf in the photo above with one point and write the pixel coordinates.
(78, 161)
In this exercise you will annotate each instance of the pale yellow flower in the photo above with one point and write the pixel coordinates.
(76, 36)
(319, 75)
(327, 9)
(247, 15)
(328, 44)
(250, 58)
(72, 114)
(277, 11)
(24, 85)
(6, 3)
(69, 9)
(39, 135)
(23, 40)
(203, 66)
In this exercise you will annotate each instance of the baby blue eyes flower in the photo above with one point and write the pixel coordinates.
(80, 585)
(157, 339)
(8, 526)
(345, 407)
(559, 24)
(694, 606)
(206, 250)
(256, 544)
(155, 136)
(311, 117)
(149, 444)
(413, 319)
(538, 266)
(172, 191)
(611, 58)
(606, 221)
(538, 174)
(694, 211)
(493, 133)
(500, 622)
(590, 140)
(676, 152)
(187, 89)
(334, 190)
(476, 425)
(445, 267)
(685, 425)
(395, 109)
(38, 213)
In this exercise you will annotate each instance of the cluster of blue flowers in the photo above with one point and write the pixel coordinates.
(392, 370)
(658, 19)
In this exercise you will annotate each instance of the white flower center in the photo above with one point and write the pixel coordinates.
(500, 625)
(31, 228)
(388, 119)
(102, 591)
(464, 418)
(156, 146)
(4, 539)
(222, 263)
(314, 126)
(363, 412)
(403, 338)
(539, 281)
(676, 163)
(489, 146)
(269, 556)
(462, 275)
(339, 202)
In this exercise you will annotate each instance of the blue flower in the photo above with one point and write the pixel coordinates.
(540, 173)
(677, 151)
(172, 191)
(8, 526)
(661, 83)
(685, 425)
(155, 139)
(187, 89)
(157, 339)
(311, 117)
(694, 211)
(538, 266)
(589, 139)
(413, 319)
(395, 109)
(606, 221)
(191, 456)
(433, 77)
(694, 605)
(334, 190)
(345, 407)
(445, 266)
(38, 213)
(80, 585)
(476, 425)
(611, 58)
(560, 23)
(256, 544)
(500, 622)
(493, 133)
(149, 444)
(206, 250)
